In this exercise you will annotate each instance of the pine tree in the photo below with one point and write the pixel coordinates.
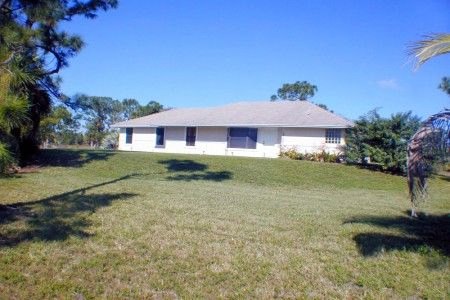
(30, 38)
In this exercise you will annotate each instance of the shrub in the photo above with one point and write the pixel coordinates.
(111, 140)
(291, 154)
(384, 140)
(322, 156)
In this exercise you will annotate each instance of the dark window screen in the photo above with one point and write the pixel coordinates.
(242, 138)
(191, 133)
(160, 136)
(129, 136)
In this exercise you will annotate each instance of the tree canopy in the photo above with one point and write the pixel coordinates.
(445, 85)
(60, 127)
(32, 40)
(99, 113)
(299, 90)
(33, 49)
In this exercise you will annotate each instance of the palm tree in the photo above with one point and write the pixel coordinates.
(431, 143)
(432, 46)
(427, 147)
(14, 108)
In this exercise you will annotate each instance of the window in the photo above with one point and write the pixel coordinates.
(242, 138)
(191, 133)
(160, 136)
(333, 136)
(128, 135)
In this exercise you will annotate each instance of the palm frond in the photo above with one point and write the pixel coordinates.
(6, 158)
(431, 46)
(427, 147)
(13, 112)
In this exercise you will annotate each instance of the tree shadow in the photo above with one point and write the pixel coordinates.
(211, 176)
(424, 232)
(375, 167)
(68, 157)
(443, 177)
(183, 165)
(189, 170)
(54, 218)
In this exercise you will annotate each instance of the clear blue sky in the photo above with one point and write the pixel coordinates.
(207, 53)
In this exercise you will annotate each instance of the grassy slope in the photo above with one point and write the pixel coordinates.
(132, 224)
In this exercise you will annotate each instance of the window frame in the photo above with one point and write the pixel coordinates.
(163, 137)
(186, 136)
(129, 135)
(247, 138)
(333, 135)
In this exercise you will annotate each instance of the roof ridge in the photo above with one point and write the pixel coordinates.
(245, 113)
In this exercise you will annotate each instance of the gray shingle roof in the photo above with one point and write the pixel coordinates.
(252, 114)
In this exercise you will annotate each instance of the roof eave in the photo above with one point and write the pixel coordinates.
(229, 125)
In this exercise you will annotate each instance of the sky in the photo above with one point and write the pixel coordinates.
(210, 53)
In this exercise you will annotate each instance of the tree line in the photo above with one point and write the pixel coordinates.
(87, 120)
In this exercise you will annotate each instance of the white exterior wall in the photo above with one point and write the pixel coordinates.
(309, 140)
(144, 139)
(213, 141)
(209, 140)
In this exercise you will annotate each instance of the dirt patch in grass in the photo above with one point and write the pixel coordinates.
(28, 169)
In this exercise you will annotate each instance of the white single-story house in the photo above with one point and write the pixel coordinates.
(259, 129)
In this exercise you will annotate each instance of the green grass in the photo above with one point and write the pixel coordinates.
(141, 225)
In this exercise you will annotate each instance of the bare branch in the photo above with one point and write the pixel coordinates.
(59, 60)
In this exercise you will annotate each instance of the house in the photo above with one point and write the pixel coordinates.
(259, 129)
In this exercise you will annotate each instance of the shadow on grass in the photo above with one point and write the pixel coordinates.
(375, 167)
(69, 158)
(443, 177)
(211, 176)
(55, 218)
(183, 165)
(189, 170)
(424, 232)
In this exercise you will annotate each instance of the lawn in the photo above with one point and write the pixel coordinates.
(140, 225)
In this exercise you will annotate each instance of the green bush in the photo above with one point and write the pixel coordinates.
(384, 140)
